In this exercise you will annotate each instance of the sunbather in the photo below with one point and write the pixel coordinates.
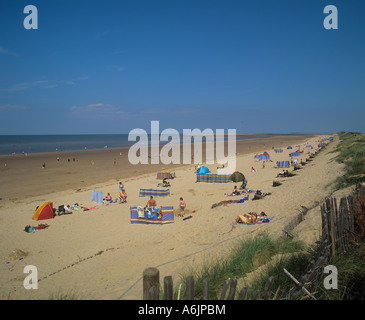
(67, 209)
(235, 192)
(108, 197)
(249, 218)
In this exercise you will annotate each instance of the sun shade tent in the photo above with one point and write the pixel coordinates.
(161, 215)
(203, 170)
(264, 156)
(289, 147)
(44, 212)
(278, 150)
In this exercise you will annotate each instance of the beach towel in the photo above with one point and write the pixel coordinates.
(154, 192)
(264, 220)
(213, 178)
(241, 200)
(90, 208)
(140, 212)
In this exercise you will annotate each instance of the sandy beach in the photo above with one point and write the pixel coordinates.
(99, 254)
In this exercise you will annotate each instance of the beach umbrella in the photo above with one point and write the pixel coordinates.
(203, 170)
(237, 177)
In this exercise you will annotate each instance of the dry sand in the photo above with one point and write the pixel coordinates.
(99, 254)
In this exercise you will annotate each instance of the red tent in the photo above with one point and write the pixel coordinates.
(44, 211)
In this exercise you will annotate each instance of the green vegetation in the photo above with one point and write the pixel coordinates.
(243, 259)
(352, 153)
(272, 256)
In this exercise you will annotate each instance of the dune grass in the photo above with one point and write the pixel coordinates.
(243, 259)
(351, 153)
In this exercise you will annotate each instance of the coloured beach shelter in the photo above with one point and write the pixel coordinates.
(44, 212)
(203, 170)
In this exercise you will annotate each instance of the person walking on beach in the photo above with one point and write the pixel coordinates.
(182, 207)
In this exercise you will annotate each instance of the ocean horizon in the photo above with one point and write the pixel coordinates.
(27, 144)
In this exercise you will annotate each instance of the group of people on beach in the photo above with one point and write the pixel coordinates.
(122, 196)
(151, 203)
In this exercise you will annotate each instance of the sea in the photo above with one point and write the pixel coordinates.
(27, 144)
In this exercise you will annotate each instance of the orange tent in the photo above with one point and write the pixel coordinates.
(44, 211)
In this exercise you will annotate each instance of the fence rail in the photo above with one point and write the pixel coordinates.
(338, 227)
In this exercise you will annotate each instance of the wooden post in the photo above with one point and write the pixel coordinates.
(151, 278)
(224, 290)
(190, 288)
(242, 294)
(267, 288)
(332, 228)
(168, 288)
(206, 289)
(232, 289)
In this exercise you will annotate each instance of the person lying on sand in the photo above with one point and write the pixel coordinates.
(235, 192)
(250, 218)
(164, 183)
(67, 209)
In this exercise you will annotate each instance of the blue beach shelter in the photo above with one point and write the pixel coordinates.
(203, 170)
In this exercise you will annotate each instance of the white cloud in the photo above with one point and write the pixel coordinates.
(45, 84)
(8, 52)
(116, 68)
(104, 110)
(7, 107)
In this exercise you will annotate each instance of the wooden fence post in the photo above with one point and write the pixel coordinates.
(168, 288)
(206, 289)
(151, 278)
(190, 288)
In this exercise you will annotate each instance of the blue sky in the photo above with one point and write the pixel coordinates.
(112, 66)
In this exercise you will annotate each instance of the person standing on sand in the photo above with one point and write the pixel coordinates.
(182, 207)
(121, 186)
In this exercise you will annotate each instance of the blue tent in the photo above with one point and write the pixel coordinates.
(289, 147)
(203, 170)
